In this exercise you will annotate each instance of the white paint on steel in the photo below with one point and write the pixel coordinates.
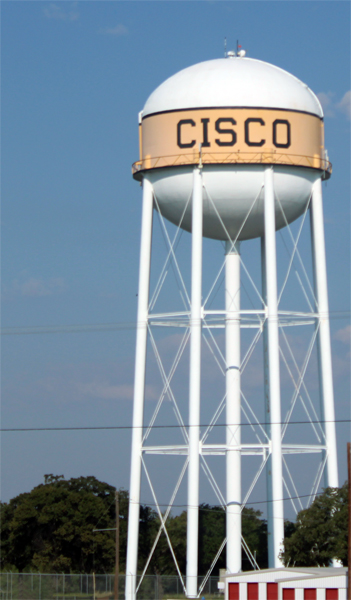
(222, 208)
(233, 403)
(273, 365)
(139, 390)
(267, 412)
(324, 346)
(232, 189)
(194, 387)
(242, 82)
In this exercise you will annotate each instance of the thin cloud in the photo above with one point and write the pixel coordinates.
(344, 335)
(58, 13)
(108, 391)
(326, 100)
(35, 287)
(76, 383)
(345, 105)
(332, 108)
(117, 31)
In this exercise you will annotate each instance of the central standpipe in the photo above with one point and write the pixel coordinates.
(267, 412)
(273, 367)
(233, 418)
(194, 386)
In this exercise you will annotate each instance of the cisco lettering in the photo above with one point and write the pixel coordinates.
(227, 135)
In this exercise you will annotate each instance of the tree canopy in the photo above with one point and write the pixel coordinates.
(51, 527)
(212, 531)
(321, 531)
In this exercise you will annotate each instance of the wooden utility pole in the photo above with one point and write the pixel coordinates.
(349, 531)
(117, 548)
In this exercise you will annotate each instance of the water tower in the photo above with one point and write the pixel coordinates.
(232, 149)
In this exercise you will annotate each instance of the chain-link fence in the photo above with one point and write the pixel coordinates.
(43, 586)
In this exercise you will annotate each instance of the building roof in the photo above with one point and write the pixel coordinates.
(295, 572)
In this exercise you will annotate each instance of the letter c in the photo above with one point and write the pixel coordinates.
(247, 132)
(179, 133)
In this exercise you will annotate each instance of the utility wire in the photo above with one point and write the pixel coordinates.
(129, 427)
(221, 510)
(216, 507)
(213, 508)
(37, 329)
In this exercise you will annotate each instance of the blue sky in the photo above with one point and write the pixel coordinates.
(74, 77)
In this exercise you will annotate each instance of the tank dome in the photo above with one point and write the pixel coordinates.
(233, 82)
(233, 117)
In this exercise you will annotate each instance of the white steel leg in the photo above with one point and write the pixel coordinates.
(273, 365)
(194, 387)
(139, 389)
(233, 417)
(324, 346)
(267, 413)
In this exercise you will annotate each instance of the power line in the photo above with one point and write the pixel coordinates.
(218, 508)
(98, 327)
(214, 506)
(176, 426)
(37, 329)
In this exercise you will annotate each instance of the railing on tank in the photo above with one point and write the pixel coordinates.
(225, 158)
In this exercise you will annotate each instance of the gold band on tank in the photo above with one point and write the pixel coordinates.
(232, 135)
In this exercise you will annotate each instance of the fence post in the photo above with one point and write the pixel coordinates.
(39, 586)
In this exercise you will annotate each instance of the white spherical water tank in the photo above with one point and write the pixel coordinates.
(234, 116)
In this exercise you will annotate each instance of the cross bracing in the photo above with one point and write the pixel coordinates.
(294, 364)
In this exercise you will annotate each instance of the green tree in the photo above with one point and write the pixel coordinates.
(211, 535)
(163, 562)
(51, 528)
(321, 531)
(212, 531)
(254, 531)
